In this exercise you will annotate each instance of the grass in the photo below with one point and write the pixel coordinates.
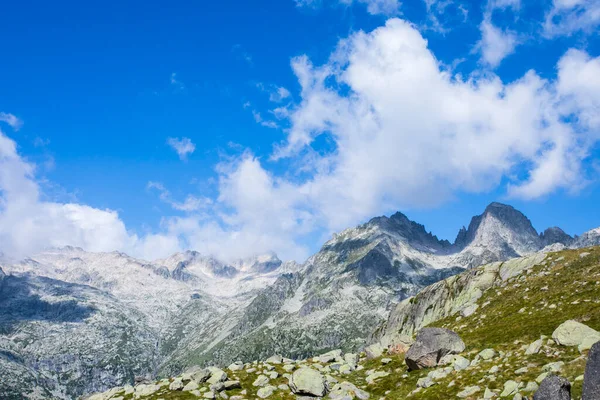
(510, 316)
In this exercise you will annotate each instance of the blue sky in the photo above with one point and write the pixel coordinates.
(294, 119)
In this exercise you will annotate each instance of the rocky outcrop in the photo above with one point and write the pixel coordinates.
(431, 344)
(555, 235)
(454, 295)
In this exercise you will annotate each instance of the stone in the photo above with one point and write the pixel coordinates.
(331, 356)
(145, 390)
(487, 354)
(371, 378)
(468, 391)
(541, 377)
(510, 388)
(345, 369)
(431, 345)
(488, 394)
(553, 367)
(262, 380)
(386, 361)
(209, 395)
(534, 347)
(375, 350)
(236, 366)
(425, 382)
(521, 371)
(177, 384)
(553, 388)
(216, 375)
(347, 391)
(191, 385)
(591, 377)
(230, 385)
(266, 391)
(351, 359)
(460, 363)
(531, 387)
(275, 359)
(308, 381)
(587, 343)
(573, 333)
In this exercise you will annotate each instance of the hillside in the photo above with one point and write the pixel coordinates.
(197, 310)
(511, 338)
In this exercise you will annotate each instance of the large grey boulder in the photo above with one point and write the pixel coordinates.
(591, 379)
(553, 388)
(573, 333)
(308, 381)
(431, 345)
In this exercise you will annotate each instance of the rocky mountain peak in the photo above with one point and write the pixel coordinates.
(555, 235)
(413, 232)
(501, 224)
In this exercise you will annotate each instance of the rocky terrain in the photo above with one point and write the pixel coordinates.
(524, 329)
(73, 322)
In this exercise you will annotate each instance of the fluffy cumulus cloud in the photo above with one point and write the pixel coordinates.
(404, 132)
(182, 146)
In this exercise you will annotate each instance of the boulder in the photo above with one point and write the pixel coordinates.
(266, 391)
(375, 350)
(276, 359)
(553, 388)
(216, 375)
(573, 333)
(431, 345)
(347, 391)
(591, 378)
(177, 384)
(262, 380)
(308, 381)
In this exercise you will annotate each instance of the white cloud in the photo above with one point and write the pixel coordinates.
(260, 120)
(374, 7)
(405, 132)
(13, 121)
(191, 203)
(183, 146)
(409, 134)
(566, 17)
(495, 43)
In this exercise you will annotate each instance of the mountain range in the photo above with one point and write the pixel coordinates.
(74, 322)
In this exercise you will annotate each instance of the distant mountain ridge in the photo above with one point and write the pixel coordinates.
(197, 309)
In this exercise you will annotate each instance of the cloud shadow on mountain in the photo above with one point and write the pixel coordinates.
(21, 300)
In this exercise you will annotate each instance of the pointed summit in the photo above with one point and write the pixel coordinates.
(499, 233)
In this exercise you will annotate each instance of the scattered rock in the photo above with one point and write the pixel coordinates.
(510, 388)
(468, 391)
(262, 380)
(276, 359)
(375, 350)
(534, 347)
(553, 388)
(347, 391)
(266, 391)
